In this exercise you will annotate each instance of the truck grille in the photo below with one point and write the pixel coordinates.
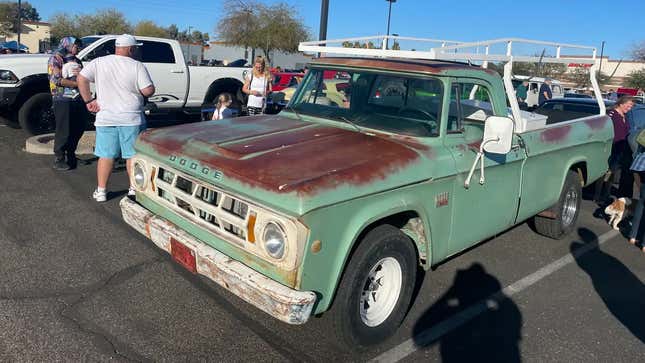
(206, 205)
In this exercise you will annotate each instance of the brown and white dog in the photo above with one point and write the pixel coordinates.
(620, 208)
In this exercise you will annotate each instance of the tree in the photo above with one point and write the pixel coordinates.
(636, 79)
(546, 70)
(198, 37)
(108, 21)
(148, 28)
(63, 25)
(172, 31)
(9, 16)
(267, 27)
(580, 77)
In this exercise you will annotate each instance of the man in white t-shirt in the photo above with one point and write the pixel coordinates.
(121, 85)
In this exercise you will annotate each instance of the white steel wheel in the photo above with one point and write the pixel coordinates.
(376, 288)
(381, 291)
(566, 210)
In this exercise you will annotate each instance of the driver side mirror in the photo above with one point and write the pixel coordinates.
(498, 135)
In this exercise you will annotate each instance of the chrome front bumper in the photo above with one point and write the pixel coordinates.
(277, 300)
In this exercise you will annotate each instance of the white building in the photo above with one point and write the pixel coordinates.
(619, 69)
(34, 34)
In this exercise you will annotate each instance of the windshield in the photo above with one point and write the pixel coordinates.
(89, 40)
(398, 104)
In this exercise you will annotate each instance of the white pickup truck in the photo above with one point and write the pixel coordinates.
(25, 100)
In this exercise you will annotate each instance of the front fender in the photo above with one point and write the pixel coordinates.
(338, 228)
(29, 86)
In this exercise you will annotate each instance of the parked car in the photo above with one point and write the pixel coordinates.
(640, 99)
(282, 80)
(576, 95)
(331, 207)
(535, 83)
(24, 88)
(333, 92)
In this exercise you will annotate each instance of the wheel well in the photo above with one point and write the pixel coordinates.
(402, 221)
(34, 84)
(230, 85)
(581, 169)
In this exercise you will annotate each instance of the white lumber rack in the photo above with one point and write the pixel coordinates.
(479, 51)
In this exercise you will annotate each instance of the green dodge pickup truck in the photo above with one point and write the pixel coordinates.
(334, 206)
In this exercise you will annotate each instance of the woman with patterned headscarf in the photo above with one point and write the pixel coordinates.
(69, 110)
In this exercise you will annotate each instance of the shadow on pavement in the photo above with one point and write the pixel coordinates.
(493, 335)
(622, 292)
(116, 194)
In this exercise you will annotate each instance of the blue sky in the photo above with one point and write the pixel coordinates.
(619, 23)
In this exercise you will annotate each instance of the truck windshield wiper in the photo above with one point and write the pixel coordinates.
(351, 123)
(290, 108)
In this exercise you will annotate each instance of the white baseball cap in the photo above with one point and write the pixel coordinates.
(126, 40)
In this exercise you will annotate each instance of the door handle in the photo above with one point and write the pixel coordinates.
(515, 147)
(177, 71)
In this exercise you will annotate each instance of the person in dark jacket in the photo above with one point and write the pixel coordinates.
(621, 156)
(69, 109)
(545, 92)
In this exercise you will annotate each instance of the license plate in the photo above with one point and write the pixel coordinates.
(183, 255)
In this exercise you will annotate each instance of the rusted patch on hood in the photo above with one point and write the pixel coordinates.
(171, 140)
(305, 158)
(555, 134)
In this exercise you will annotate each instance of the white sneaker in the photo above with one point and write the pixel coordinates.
(132, 192)
(99, 196)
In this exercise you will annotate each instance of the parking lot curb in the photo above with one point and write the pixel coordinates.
(44, 144)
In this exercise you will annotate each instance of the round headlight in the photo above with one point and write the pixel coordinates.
(274, 240)
(139, 175)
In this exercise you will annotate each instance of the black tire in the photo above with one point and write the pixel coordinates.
(10, 119)
(36, 115)
(566, 210)
(383, 243)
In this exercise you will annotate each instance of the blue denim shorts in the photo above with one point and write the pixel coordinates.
(114, 141)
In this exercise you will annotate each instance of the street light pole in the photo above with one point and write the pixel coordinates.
(389, 14)
(19, 25)
(602, 49)
(324, 12)
(190, 45)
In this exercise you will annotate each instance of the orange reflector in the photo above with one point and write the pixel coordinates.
(250, 228)
(152, 179)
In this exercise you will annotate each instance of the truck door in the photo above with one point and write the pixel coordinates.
(169, 73)
(481, 210)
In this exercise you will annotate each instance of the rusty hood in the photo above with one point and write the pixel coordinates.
(286, 163)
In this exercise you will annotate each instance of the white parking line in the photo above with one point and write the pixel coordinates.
(429, 335)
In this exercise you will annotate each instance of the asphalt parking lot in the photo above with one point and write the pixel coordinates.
(78, 284)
